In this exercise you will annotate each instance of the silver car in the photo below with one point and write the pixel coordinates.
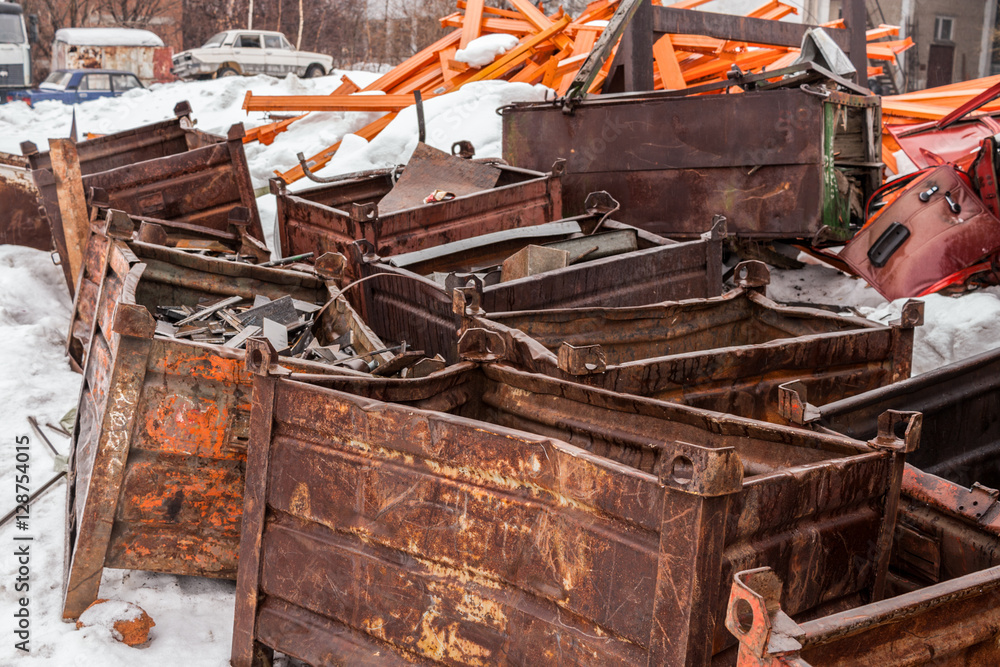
(236, 52)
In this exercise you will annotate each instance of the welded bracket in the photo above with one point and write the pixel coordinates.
(793, 404)
(754, 616)
(583, 360)
(481, 345)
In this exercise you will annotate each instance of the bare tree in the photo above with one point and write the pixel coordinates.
(134, 13)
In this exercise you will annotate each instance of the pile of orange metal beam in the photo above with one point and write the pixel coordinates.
(550, 51)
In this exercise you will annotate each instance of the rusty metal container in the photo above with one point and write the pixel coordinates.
(21, 222)
(396, 302)
(138, 51)
(165, 171)
(727, 353)
(330, 217)
(951, 623)
(949, 523)
(159, 446)
(781, 163)
(485, 515)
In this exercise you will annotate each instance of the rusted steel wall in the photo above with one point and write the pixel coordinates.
(331, 217)
(21, 223)
(403, 304)
(763, 159)
(162, 424)
(111, 152)
(727, 353)
(949, 522)
(952, 623)
(537, 521)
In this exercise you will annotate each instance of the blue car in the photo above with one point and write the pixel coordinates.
(72, 86)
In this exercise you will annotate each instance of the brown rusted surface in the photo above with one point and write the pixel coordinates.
(398, 303)
(949, 522)
(331, 217)
(727, 353)
(165, 170)
(485, 515)
(162, 423)
(769, 160)
(21, 222)
(952, 623)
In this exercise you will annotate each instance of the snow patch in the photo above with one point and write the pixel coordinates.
(482, 50)
(468, 113)
(107, 37)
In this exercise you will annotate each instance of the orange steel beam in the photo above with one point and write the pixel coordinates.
(326, 102)
(515, 27)
(535, 17)
(471, 22)
(462, 4)
(415, 64)
(669, 69)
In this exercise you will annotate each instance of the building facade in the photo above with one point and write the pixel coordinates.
(956, 40)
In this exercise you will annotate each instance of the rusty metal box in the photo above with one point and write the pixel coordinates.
(159, 446)
(949, 523)
(397, 302)
(330, 217)
(484, 515)
(778, 164)
(727, 353)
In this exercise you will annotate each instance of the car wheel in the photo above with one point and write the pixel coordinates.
(315, 70)
(226, 71)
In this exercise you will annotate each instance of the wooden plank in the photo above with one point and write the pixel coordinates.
(671, 21)
(72, 201)
(471, 25)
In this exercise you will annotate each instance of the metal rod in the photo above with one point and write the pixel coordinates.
(38, 431)
(34, 496)
(59, 429)
(288, 260)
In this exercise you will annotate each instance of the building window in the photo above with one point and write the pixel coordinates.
(942, 28)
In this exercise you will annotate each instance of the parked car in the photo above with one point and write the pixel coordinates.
(236, 52)
(72, 86)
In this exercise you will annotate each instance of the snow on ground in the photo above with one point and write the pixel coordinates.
(194, 616)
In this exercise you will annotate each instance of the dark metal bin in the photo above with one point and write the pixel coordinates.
(484, 515)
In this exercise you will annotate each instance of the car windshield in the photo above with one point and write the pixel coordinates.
(56, 81)
(215, 42)
(11, 31)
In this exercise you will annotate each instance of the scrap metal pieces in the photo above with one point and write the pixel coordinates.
(934, 233)
(486, 515)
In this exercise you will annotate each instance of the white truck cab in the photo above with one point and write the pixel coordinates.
(15, 52)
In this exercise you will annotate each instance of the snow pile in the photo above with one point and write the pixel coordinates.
(107, 37)
(482, 50)
(954, 328)
(469, 113)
